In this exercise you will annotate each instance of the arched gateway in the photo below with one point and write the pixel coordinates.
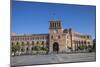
(55, 47)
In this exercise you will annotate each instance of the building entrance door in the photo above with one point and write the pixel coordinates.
(55, 47)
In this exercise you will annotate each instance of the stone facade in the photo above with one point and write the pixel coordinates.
(57, 40)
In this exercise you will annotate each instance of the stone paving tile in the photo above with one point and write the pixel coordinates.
(53, 58)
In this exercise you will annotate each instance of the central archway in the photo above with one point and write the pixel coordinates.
(55, 47)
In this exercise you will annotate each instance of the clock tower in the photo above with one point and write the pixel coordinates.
(55, 36)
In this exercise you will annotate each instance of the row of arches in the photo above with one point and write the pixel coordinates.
(30, 43)
(28, 47)
(52, 37)
(77, 44)
(81, 42)
(14, 38)
(82, 36)
(55, 24)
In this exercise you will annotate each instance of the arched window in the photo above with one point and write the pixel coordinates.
(82, 42)
(11, 38)
(59, 37)
(42, 42)
(88, 37)
(74, 42)
(12, 43)
(27, 43)
(27, 49)
(53, 24)
(32, 42)
(59, 24)
(85, 42)
(32, 48)
(37, 42)
(47, 42)
(17, 43)
(79, 42)
(22, 43)
(51, 37)
(89, 43)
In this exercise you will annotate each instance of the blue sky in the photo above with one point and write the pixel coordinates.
(34, 17)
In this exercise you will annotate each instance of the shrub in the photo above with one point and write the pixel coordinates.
(36, 48)
(44, 48)
(15, 48)
(22, 50)
(82, 47)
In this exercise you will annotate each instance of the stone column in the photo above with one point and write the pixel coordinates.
(50, 49)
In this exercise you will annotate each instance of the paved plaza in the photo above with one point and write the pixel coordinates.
(51, 58)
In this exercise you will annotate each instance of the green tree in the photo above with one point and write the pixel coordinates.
(36, 48)
(90, 48)
(22, 49)
(82, 47)
(15, 48)
(44, 48)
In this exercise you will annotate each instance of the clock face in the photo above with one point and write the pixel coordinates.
(55, 31)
